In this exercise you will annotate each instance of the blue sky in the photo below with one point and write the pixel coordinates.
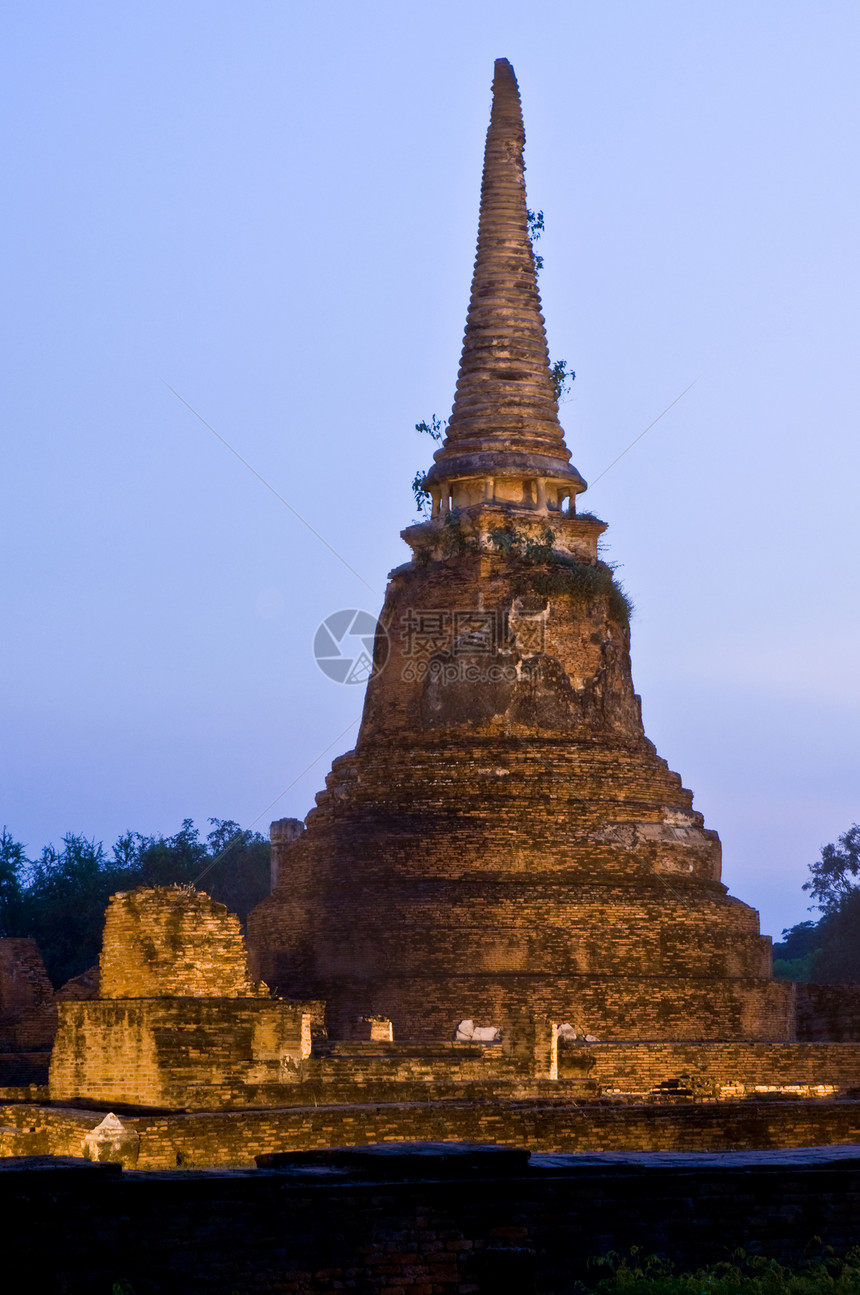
(272, 208)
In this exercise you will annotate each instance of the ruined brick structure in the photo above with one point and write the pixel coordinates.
(28, 1015)
(503, 848)
(173, 942)
(504, 835)
(179, 1025)
(178, 1022)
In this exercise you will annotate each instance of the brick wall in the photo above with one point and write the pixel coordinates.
(177, 1052)
(28, 1017)
(539, 1123)
(828, 1012)
(718, 1070)
(504, 1228)
(166, 941)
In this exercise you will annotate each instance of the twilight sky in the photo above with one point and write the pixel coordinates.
(272, 208)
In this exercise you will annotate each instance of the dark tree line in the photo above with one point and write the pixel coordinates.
(59, 899)
(827, 951)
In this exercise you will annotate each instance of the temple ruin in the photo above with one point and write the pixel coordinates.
(504, 836)
(504, 920)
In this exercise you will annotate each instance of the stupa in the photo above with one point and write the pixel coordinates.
(504, 838)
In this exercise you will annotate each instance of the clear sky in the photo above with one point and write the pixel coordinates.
(272, 208)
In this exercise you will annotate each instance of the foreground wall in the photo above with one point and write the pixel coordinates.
(413, 1224)
(540, 1123)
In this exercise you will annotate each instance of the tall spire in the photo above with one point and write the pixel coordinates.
(504, 424)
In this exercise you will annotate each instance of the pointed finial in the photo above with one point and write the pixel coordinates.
(504, 442)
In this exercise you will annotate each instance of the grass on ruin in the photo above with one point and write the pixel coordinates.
(542, 568)
(582, 582)
(548, 572)
(744, 1274)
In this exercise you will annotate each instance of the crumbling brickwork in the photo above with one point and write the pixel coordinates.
(199, 1053)
(716, 1071)
(171, 941)
(178, 1021)
(219, 1138)
(28, 1017)
(828, 1012)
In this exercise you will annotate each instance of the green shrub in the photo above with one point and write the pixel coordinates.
(743, 1274)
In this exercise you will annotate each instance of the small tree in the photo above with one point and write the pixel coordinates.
(834, 876)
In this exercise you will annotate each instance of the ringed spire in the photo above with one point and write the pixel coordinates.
(504, 443)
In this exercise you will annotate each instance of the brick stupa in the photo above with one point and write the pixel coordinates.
(505, 838)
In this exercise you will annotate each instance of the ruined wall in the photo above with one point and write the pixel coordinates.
(828, 1012)
(718, 1071)
(28, 1017)
(170, 941)
(179, 1022)
(240, 1053)
(170, 1140)
(194, 1053)
(526, 1066)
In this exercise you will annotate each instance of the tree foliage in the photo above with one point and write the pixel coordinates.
(827, 951)
(12, 865)
(536, 228)
(563, 378)
(435, 429)
(839, 959)
(834, 876)
(59, 899)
